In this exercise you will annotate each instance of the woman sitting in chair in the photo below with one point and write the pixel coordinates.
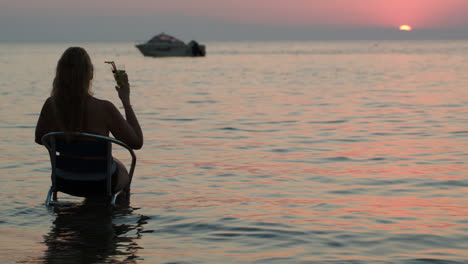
(71, 107)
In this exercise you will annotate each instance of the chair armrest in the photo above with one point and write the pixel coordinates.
(45, 142)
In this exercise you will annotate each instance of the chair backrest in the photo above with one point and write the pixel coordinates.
(81, 154)
(82, 164)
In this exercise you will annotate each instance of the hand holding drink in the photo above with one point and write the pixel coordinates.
(118, 74)
(121, 78)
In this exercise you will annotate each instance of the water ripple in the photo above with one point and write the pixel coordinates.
(278, 152)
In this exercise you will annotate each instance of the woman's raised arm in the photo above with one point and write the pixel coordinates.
(129, 130)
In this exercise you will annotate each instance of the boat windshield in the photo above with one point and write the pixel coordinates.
(164, 38)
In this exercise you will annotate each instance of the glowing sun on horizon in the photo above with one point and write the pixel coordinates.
(405, 28)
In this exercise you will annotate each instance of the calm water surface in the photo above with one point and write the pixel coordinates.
(287, 152)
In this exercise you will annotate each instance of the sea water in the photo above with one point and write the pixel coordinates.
(260, 152)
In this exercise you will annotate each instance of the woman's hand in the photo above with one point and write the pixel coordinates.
(124, 89)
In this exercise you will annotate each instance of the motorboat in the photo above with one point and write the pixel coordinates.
(164, 45)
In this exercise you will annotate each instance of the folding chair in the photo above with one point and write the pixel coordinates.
(82, 165)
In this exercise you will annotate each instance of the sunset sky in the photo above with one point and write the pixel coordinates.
(119, 20)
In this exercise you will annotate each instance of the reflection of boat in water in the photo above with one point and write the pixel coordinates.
(164, 45)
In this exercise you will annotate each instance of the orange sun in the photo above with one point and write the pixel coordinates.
(405, 28)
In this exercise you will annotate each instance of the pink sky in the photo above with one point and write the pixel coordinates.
(337, 13)
(122, 20)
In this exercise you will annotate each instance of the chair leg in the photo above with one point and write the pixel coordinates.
(49, 194)
(114, 197)
(127, 193)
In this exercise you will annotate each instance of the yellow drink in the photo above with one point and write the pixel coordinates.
(118, 74)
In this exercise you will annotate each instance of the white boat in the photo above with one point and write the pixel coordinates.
(164, 45)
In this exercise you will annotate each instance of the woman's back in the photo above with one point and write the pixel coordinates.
(99, 117)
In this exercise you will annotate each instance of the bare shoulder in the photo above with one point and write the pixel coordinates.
(103, 110)
(99, 104)
(95, 100)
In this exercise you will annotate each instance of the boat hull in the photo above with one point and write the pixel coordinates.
(158, 50)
